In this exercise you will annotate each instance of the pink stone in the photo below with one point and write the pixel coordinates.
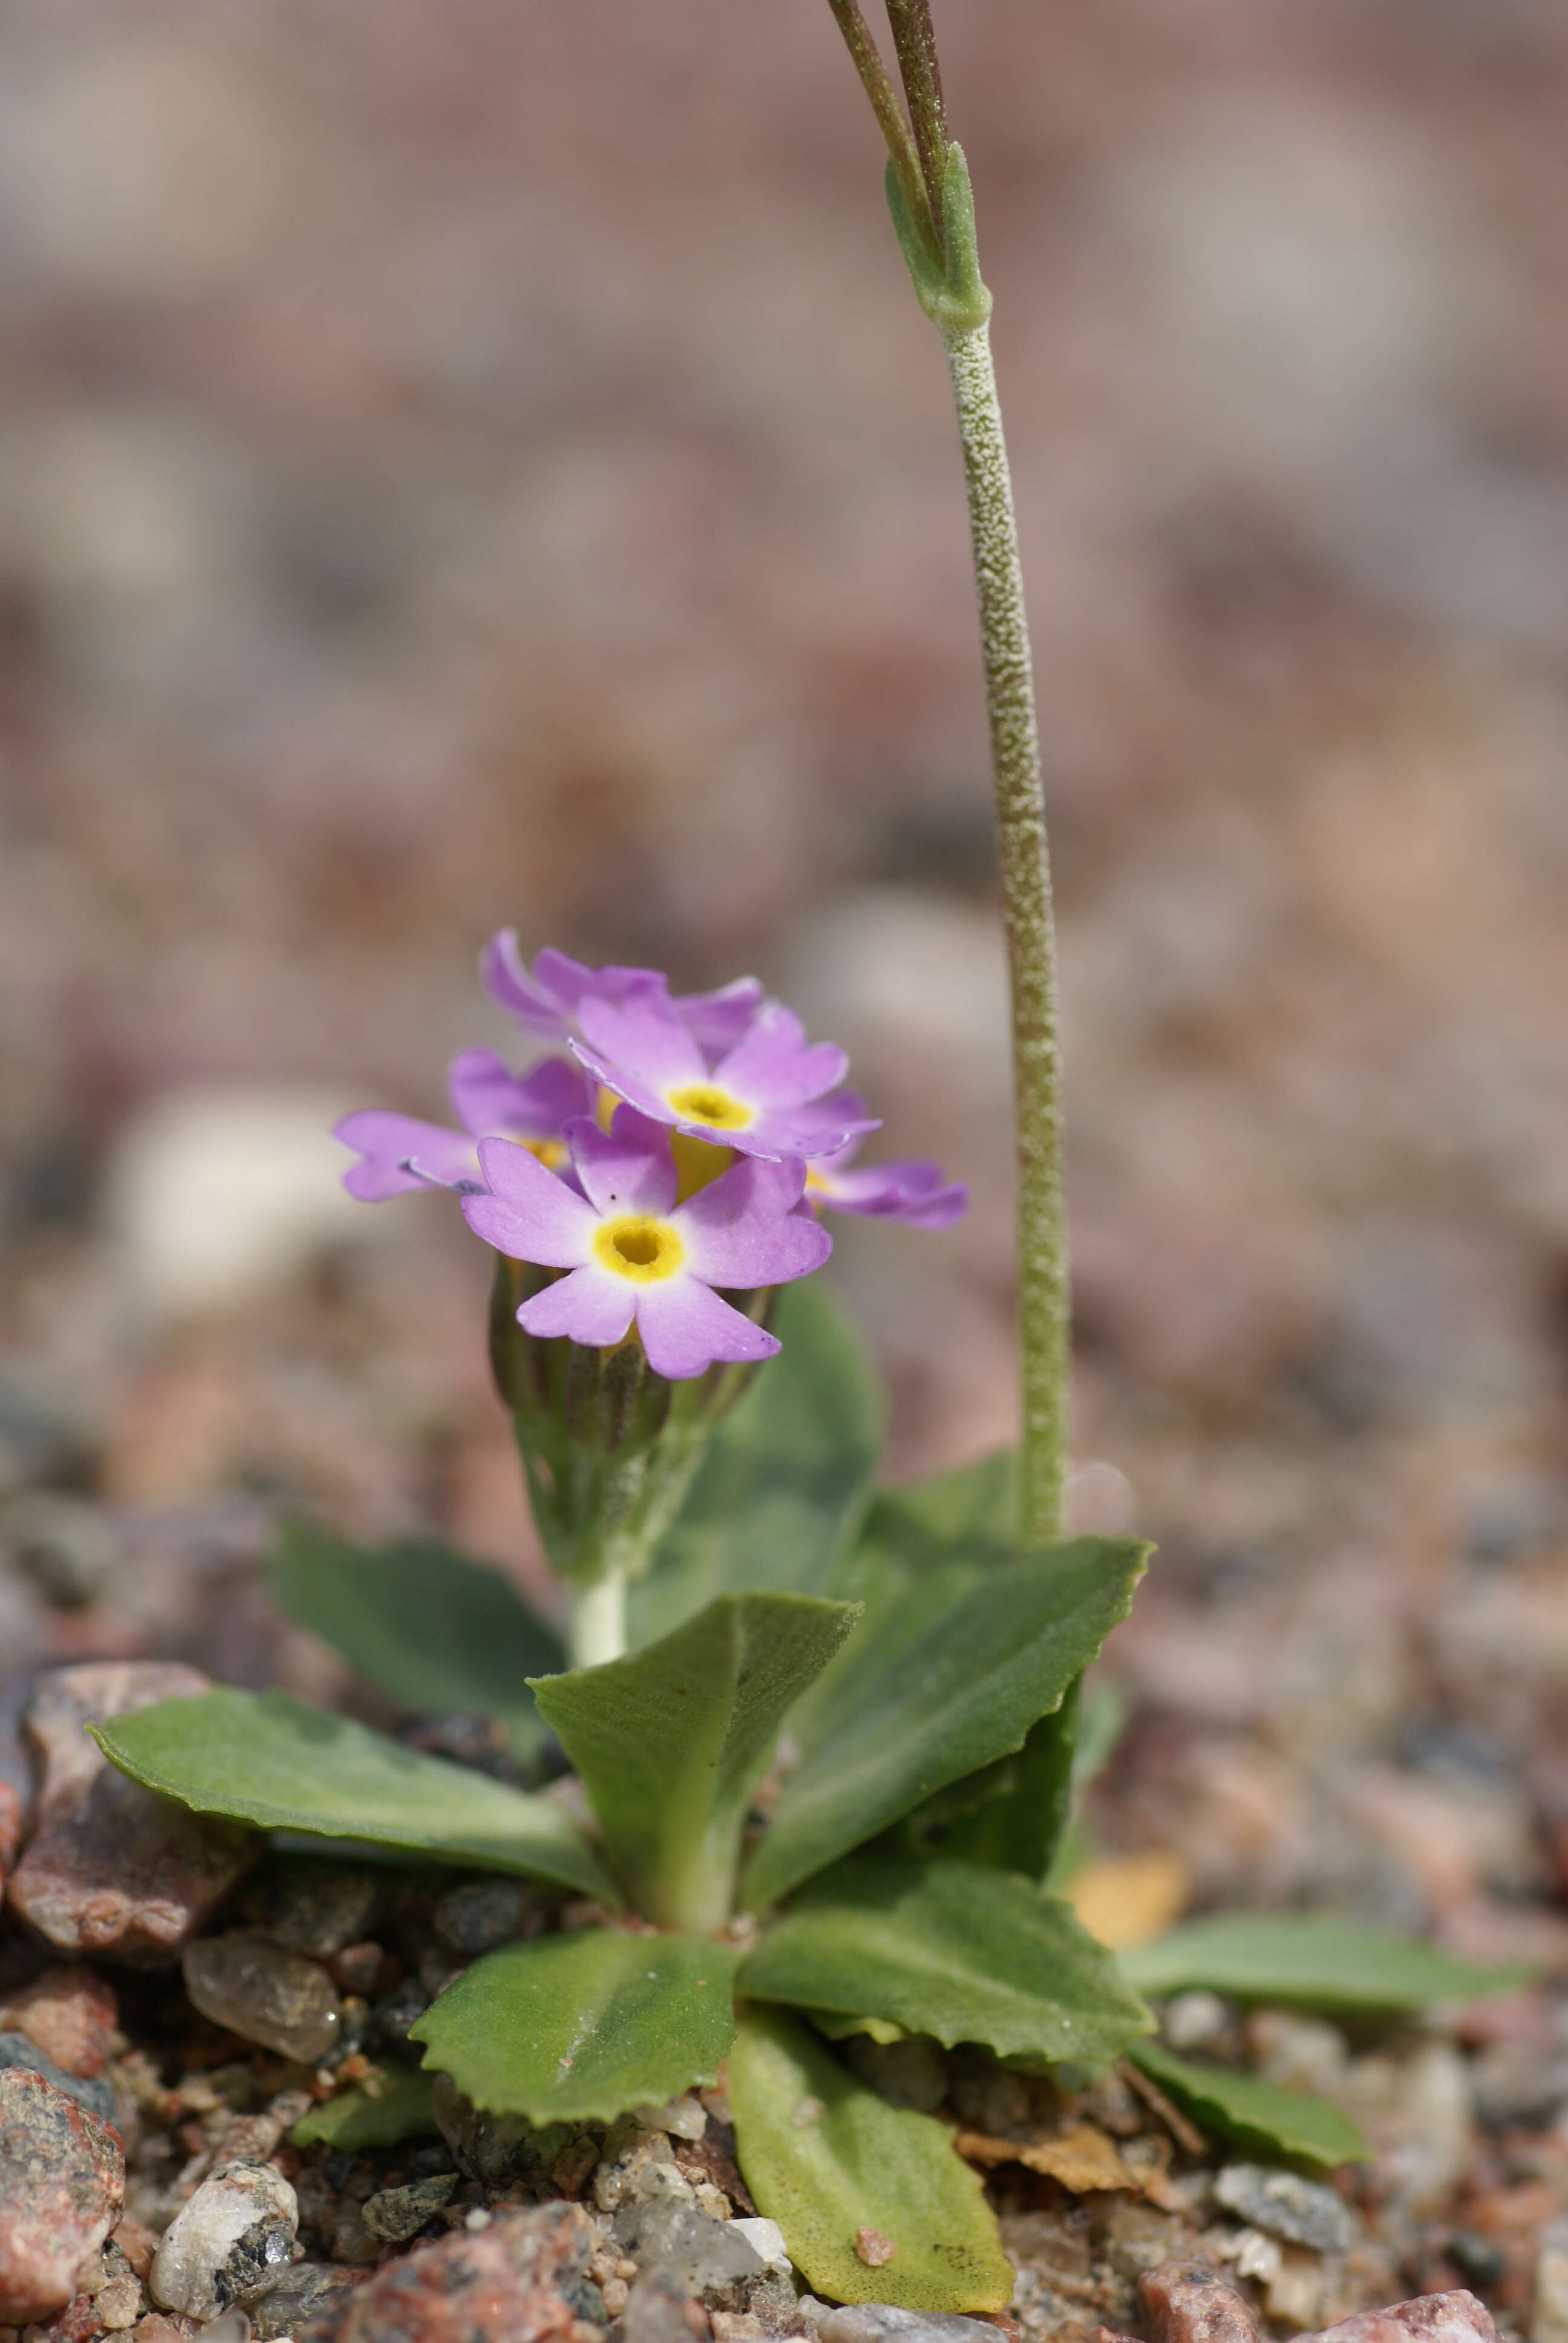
(1456, 2317)
(1188, 2302)
(113, 1869)
(61, 2185)
(513, 2281)
(70, 2013)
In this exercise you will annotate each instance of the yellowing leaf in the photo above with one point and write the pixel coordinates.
(1129, 1899)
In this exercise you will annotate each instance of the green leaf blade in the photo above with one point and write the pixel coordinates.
(672, 1741)
(438, 1632)
(965, 1692)
(1311, 1960)
(826, 2158)
(579, 2028)
(939, 1948)
(281, 1765)
(783, 1483)
(1257, 2116)
(398, 2109)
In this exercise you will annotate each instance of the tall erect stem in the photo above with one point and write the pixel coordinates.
(1042, 1274)
(935, 224)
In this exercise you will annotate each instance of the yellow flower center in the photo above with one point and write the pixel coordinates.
(706, 1102)
(552, 1152)
(636, 1247)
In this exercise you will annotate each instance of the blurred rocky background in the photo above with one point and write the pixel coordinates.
(476, 463)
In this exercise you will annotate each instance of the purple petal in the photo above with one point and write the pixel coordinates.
(629, 1168)
(743, 1230)
(912, 1189)
(717, 1020)
(483, 1090)
(636, 1094)
(591, 1306)
(644, 1041)
(774, 1066)
(685, 1327)
(530, 1213)
(573, 981)
(550, 1094)
(507, 979)
(822, 1128)
(389, 1143)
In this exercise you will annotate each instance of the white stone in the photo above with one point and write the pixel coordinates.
(231, 2241)
(214, 1195)
(766, 2239)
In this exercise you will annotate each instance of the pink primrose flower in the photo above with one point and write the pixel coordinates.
(636, 1257)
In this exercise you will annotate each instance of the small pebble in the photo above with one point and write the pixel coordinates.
(226, 2244)
(711, 2258)
(766, 2239)
(886, 2322)
(1456, 2317)
(875, 2250)
(479, 1914)
(317, 1907)
(96, 2095)
(1303, 2212)
(1189, 2302)
(303, 2290)
(395, 2214)
(281, 2000)
(520, 2279)
(70, 2013)
(659, 2310)
(111, 1869)
(1193, 2020)
(61, 2185)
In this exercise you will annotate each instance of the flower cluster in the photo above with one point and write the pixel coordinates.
(687, 1142)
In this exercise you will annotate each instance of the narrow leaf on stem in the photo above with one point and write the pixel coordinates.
(673, 1742)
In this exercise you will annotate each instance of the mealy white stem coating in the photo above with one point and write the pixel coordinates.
(1044, 1289)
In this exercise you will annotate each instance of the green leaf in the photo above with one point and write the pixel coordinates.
(827, 2159)
(438, 1632)
(965, 1692)
(1311, 1960)
(783, 1482)
(579, 2028)
(673, 1742)
(397, 2107)
(943, 1949)
(925, 1523)
(281, 1765)
(1256, 2115)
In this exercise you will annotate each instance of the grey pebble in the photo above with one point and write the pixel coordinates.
(395, 2214)
(300, 2293)
(264, 1993)
(710, 2256)
(97, 2095)
(1302, 2212)
(319, 1908)
(479, 1914)
(885, 2322)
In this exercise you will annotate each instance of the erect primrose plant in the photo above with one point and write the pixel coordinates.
(824, 1737)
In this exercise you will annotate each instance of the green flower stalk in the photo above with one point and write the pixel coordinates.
(932, 204)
